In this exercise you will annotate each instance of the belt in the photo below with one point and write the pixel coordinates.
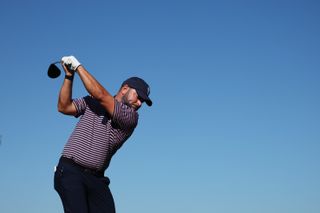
(81, 168)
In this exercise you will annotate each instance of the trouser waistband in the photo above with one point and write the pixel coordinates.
(81, 168)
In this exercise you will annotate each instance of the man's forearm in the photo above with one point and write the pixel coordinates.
(96, 90)
(93, 87)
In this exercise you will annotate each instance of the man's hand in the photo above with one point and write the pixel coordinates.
(71, 62)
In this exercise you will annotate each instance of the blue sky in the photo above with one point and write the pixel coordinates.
(235, 123)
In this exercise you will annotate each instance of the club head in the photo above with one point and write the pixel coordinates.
(53, 71)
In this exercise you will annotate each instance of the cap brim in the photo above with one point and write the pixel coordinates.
(148, 102)
(144, 98)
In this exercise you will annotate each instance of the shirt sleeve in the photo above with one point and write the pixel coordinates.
(124, 117)
(81, 105)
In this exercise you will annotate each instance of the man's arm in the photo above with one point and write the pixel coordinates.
(96, 90)
(65, 104)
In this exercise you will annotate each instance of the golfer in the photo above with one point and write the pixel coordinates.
(105, 123)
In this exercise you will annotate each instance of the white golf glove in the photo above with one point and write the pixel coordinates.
(71, 62)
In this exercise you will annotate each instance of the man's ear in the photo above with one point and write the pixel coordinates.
(124, 89)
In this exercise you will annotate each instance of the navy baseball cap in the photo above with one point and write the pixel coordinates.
(141, 87)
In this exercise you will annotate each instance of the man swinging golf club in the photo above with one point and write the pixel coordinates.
(105, 123)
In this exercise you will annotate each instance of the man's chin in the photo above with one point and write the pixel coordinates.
(132, 106)
(135, 108)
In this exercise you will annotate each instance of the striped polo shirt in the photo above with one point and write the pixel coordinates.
(97, 136)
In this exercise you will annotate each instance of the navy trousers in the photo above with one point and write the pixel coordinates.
(81, 191)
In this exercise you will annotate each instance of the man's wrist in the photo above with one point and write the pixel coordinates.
(69, 77)
(77, 69)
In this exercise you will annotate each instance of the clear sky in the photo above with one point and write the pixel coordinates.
(235, 123)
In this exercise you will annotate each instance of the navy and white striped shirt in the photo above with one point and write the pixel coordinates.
(97, 136)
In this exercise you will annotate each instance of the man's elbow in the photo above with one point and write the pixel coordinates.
(62, 108)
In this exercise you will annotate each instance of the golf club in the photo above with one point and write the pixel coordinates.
(53, 70)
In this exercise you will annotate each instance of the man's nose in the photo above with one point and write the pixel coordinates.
(139, 102)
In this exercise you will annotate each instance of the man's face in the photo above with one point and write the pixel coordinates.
(131, 99)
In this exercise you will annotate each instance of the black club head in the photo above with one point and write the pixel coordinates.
(53, 71)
